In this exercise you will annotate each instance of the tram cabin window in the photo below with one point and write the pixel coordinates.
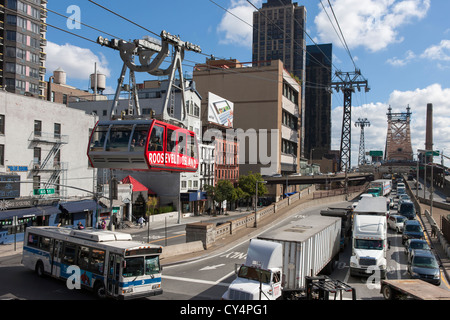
(156, 139)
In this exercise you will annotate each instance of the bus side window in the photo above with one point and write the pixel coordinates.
(97, 261)
(44, 243)
(69, 253)
(83, 257)
(33, 240)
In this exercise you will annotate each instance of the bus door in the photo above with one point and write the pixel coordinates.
(56, 258)
(113, 278)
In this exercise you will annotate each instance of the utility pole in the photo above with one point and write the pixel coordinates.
(347, 82)
(362, 146)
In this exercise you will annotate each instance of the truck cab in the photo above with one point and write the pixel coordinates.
(259, 278)
(369, 246)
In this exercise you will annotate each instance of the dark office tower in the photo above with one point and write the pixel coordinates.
(278, 34)
(318, 101)
(23, 49)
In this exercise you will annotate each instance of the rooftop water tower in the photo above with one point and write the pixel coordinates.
(98, 82)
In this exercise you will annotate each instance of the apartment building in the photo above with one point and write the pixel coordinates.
(266, 115)
(23, 46)
(43, 146)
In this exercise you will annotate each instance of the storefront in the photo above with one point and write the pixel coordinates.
(13, 222)
(193, 202)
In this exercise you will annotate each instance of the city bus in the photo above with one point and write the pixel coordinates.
(109, 263)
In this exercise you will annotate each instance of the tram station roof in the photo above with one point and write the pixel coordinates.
(137, 186)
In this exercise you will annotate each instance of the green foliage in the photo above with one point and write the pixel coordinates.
(248, 184)
(151, 205)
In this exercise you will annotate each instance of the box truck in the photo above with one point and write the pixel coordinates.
(380, 187)
(278, 261)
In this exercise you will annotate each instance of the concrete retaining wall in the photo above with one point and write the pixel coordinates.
(182, 248)
(208, 232)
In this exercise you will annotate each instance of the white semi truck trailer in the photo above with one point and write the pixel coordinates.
(278, 261)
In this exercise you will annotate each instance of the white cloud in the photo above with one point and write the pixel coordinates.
(440, 52)
(375, 135)
(372, 24)
(235, 31)
(397, 62)
(77, 62)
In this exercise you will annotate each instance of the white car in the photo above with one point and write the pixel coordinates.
(396, 222)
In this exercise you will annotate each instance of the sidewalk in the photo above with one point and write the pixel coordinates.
(16, 249)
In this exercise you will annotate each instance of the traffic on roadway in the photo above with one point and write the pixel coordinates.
(211, 276)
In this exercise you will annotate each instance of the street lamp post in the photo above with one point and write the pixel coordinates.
(256, 202)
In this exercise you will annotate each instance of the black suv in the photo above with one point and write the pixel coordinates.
(407, 210)
(412, 230)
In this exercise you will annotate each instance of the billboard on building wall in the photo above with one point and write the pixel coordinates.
(220, 110)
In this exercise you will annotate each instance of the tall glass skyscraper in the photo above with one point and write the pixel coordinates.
(318, 100)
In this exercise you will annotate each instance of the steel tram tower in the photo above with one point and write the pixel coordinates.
(362, 146)
(347, 82)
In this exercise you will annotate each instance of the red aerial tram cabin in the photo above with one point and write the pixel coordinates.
(143, 145)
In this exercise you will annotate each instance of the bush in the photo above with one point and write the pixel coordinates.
(165, 209)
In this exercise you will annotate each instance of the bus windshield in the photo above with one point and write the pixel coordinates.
(138, 266)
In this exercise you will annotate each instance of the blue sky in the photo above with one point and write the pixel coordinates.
(402, 48)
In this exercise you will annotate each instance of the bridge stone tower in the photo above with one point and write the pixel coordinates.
(398, 139)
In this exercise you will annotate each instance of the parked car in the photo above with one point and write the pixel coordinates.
(407, 209)
(422, 265)
(395, 222)
(412, 230)
(413, 244)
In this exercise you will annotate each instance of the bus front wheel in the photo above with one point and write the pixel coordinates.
(99, 290)
(39, 269)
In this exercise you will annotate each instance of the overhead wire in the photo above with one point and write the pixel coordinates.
(340, 30)
(154, 33)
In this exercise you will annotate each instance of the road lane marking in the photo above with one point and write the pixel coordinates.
(213, 283)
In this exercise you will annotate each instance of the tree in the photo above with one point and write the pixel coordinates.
(248, 185)
(150, 206)
(225, 191)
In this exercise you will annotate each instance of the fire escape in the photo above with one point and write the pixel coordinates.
(48, 167)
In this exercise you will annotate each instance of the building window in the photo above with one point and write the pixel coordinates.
(64, 98)
(2, 124)
(2, 154)
(37, 127)
(37, 155)
(57, 130)
(36, 182)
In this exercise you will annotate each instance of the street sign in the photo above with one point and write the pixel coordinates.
(38, 192)
(433, 153)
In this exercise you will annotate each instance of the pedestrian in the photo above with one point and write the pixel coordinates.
(141, 222)
(433, 230)
(80, 226)
(103, 224)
